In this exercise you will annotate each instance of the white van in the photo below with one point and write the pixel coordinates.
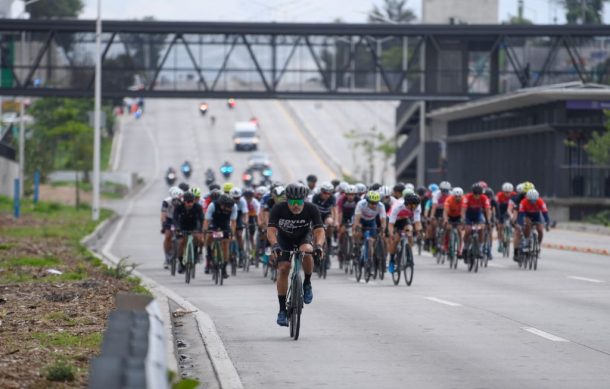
(245, 136)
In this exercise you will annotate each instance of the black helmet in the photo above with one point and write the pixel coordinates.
(248, 193)
(296, 191)
(215, 194)
(184, 186)
(335, 182)
(412, 199)
(375, 186)
(399, 187)
(477, 188)
(214, 186)
(312, 178)
(188, 197)
(226, 201)
(422, 191)
(489, 192)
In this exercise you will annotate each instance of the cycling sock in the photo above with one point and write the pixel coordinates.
(307, 279)
(282, 300)
(392, 257)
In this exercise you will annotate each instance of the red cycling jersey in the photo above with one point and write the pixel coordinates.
(503, 198)
(453, 206)
(476, 204)
(532, 207)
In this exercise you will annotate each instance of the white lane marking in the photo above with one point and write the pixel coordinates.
(543, 334)
(452, 304)
(586, 279)
(490, 264)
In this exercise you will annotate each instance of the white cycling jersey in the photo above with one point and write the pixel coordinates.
(400, 211)
(366, 213)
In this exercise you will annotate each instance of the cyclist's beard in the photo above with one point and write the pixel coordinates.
(297, 209)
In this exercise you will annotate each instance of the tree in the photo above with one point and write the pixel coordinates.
(394, 11)
(519, 18)
(372, 145)
(54, 9)
(583, 11)
(598, 147)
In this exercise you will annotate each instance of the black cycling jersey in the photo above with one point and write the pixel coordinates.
(324, 206)
(291, 226)
(221, 219)
(188, 219)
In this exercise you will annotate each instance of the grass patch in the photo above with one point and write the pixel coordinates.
(60, 317)
(105, 152)
(6, 246)
(137, 287)
(60, 371)
(31, 261)
(14, 278)
(64, 339)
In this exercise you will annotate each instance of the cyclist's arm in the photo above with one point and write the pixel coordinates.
(272, 235)
(382, 216)
(319, 236)
(391, 228)
(233, 226)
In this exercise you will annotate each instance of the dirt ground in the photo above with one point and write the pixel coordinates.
(62, 194)
(46, 318)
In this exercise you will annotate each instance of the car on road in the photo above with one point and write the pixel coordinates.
(259, 161)
(245, 136)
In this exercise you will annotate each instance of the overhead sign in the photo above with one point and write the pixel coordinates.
(587, 104)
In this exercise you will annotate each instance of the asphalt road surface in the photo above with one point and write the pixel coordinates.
(500, 328)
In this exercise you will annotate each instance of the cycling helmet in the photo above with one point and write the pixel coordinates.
(235, 192)
(196, 191)
(385, 191)
(520, 188)
(188, 197)
(399, 187)
(278, 191)
(214, 186)
(326, 187)
(422, 191)
(296, 191)
(457, 191)
(335, 182)
(507, 187)
(375, 186)
(373, 196)
(226, 201)
(483, 184)
(183, 186)
(351, 189)
(445, 185)
(407, 191)
(527, 186)
(477, 189)
(489, 192)
(226, 188)
(410, 187)
(175, 192)
(215, 194)
(532, 195)
(412, 199)
(432, 188)
(262, 190)
(312, 178)
(342, 187)
(248, 193)
(360, 188)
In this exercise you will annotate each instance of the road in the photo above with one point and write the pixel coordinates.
(500, 328)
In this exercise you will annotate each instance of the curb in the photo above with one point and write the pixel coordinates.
(577, 249)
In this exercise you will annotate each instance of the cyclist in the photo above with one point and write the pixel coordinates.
(432, 189)
(346, 206)
(290, 226)
(259, 192)
(452, 215)
(369, 212)
(531, 207)
(188, 216)
(167, 213)
(513, 210)
(397, 190)
(221, 215)
(360, 190)
(242, 220)
(436, 213)
(404, 215)
(503, 198)
(473, 206)
(326, 203)
(253, 211)
(184, 187)
(312, 180)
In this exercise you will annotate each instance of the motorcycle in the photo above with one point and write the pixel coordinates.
(203, 108)
(186, 169)
(247, 178)
(226, 169)
(170, 176)
(231, 103)
(209, 177)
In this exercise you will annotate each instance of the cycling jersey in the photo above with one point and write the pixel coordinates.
(471, 202)
(503, 198)
(168, 205)
(401, 212)
(453, 205)
(368, 214)
(219, 219)
(253, 208)
(532, 210)
(294, 227)
(347, 207)
(188, 219)
(389, 205)
(439, 199)
(324, 206)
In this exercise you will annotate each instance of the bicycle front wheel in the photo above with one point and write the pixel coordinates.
(409, 265)
(398, 261)
(296, 305)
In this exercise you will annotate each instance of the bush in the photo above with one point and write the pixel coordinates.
(61, 371)
(602, 218)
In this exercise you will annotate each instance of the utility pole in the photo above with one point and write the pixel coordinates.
(583, 11)
(97, 115)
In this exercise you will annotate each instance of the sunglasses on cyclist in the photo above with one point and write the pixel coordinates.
(294, 202)
(373, 202)
(189, 202)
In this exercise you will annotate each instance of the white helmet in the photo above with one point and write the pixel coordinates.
(262, 190)
(351, 189)
(342, 187)
(409, 186)
(408, 190)
(532, 195)
(445, 185)
(175, 192)
(507, 187)
(384, 191)
(457, 191)
(235, 192)
(327, 187)
(520, 188)
(360, 188)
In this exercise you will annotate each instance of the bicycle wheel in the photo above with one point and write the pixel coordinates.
(409, 265)
(189, 258)
(381, 257)
(452, 248)
(398, 261)
(296, 307)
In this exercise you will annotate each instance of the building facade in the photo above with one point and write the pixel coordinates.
(460, 11)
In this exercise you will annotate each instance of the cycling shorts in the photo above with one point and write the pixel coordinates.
(226, 230)
(534, 217)
(455, 219)
(167, 224)
(288, 245)
(347, 219)
(371, 225)
(474, 217)
(438, 214)
(401, 224)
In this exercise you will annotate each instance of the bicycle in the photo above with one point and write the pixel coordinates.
(487, 245)
(529, 251)
(454, 241)
(379, 258)
(218, 262)
(403, 261)
(249, 253)
(189, 257)
(233, 255)
(365, 265)
(507, 237)
(419, 242)
(472, 253)
(294, 297)
(174, 252)
(440, 253)
(346, 244)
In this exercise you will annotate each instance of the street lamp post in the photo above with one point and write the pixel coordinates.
(97, 115)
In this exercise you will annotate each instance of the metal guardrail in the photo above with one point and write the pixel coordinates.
(133, 348)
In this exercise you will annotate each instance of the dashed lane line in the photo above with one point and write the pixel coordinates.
(586, 279)
(544, 334)
(445, 302)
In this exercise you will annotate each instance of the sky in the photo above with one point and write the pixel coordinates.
(323, 11)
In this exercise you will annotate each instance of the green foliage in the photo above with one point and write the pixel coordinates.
(372, 145)
(60, 371)
(590, 10)
(177, 383)
(601, 218)
(31, 262)
(64, 339)
(123, 269)
(55, 9)
(393, 11)
(598, 147)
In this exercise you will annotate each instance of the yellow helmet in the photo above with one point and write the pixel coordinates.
(373, 196)
(527, 186)
(226, 188)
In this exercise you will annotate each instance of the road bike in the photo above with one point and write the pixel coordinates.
(529, 251)
(473, 249)
(454, 245)
(346, 245)
(233, 255)
(218, 262)
(173, 252)
(189, 257)
(365, 264)
(507, 236)
(379, 258)
(294, 297)
(403, 261)
(487, 246)
(440, 253)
